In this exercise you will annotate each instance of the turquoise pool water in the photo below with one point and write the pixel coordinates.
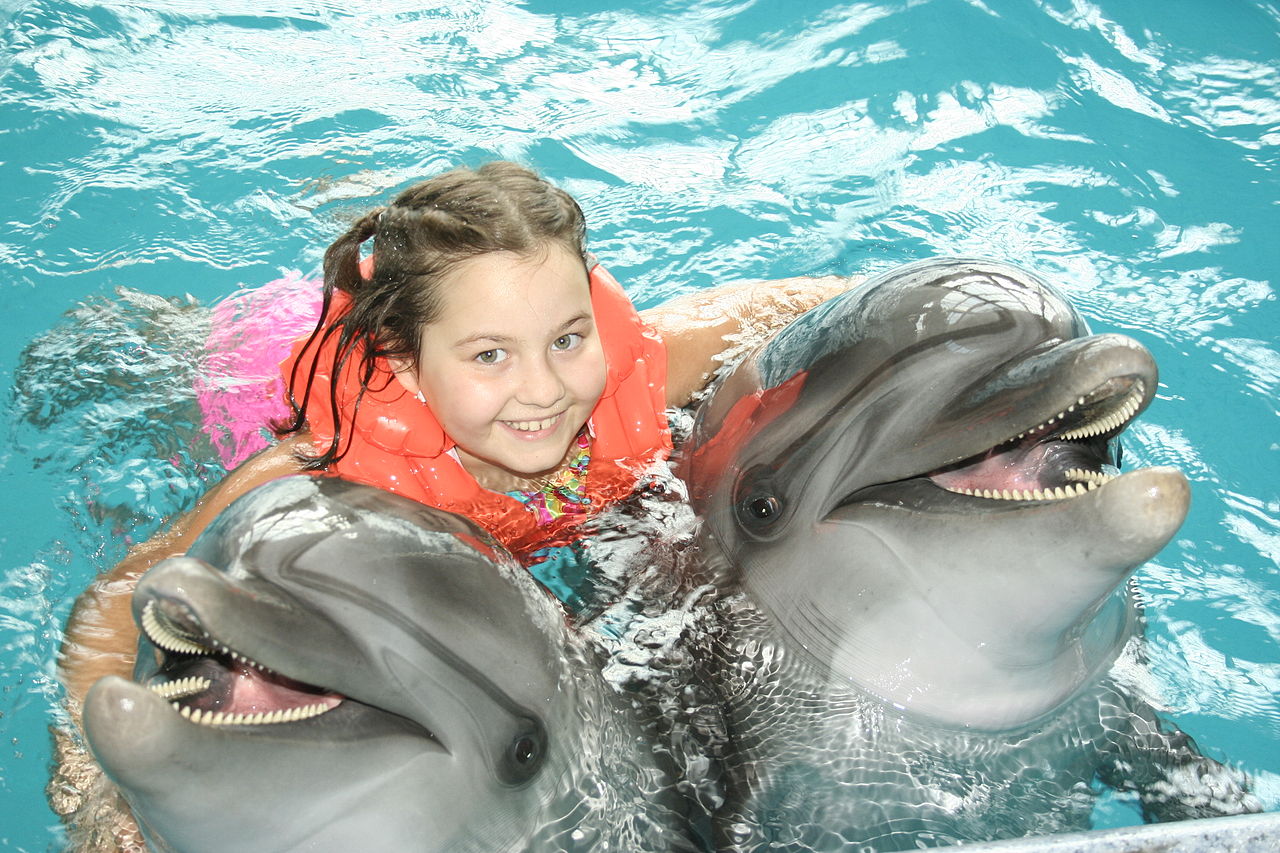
(183, 151)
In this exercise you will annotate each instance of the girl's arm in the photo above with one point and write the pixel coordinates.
(101, 638)
(705, 328)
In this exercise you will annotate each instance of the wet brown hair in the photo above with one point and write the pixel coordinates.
(417, 240)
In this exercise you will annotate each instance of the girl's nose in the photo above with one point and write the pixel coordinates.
(540, 385)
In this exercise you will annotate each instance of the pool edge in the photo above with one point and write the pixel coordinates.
(1255, 833)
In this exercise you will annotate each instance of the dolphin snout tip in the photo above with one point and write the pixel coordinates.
(110, 701)
(109, 695)
(1115, 354)
(182, 578)
(1166, 486)
(1148, 504)
(172, 571)
(116, 712)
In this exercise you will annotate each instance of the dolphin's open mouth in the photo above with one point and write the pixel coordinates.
(1062, 457)
(211, 684)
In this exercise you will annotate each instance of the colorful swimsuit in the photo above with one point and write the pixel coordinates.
(563, 569)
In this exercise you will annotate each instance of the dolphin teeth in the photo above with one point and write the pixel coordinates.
(180, 688)
(165, 637)
(157, 629)
(1116, 417)
(1093, 479)
(1089, 481)
(261, 718)
(1080, 481)
(1105, 423)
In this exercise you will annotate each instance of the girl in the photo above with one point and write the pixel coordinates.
(480, 361)
(477, 360)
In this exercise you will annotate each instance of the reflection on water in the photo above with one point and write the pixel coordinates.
(108, 396)
(1125, 151)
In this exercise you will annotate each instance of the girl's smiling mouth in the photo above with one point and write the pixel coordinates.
(535, 427)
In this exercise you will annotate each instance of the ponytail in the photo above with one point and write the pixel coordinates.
(342, 259)
(341, 273)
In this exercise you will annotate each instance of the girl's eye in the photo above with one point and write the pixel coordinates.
(491, 356)
(568, 341)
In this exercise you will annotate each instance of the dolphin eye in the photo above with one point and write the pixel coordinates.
(761, 509)
(524, 758)
(524, 753)
(526, 750)
(757, 505)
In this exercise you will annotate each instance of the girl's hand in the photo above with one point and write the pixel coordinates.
(707, 328)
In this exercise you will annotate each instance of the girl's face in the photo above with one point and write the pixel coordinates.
(512, 367)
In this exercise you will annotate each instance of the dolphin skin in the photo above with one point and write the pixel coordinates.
(334, 668)
(912, 501)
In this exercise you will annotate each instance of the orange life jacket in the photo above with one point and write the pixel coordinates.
(398, 444)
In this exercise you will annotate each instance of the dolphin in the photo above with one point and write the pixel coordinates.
(332, 667)
(912, 505)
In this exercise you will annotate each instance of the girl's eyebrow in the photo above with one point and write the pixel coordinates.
(573, 321)
(485, 337)
(466, 343)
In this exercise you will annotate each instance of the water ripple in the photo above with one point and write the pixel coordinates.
(1128, 153)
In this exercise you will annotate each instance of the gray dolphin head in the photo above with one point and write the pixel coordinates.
(915, 481)
(339, 668)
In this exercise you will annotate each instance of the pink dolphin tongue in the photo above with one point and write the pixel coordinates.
(252, 691)
(1020, 466)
